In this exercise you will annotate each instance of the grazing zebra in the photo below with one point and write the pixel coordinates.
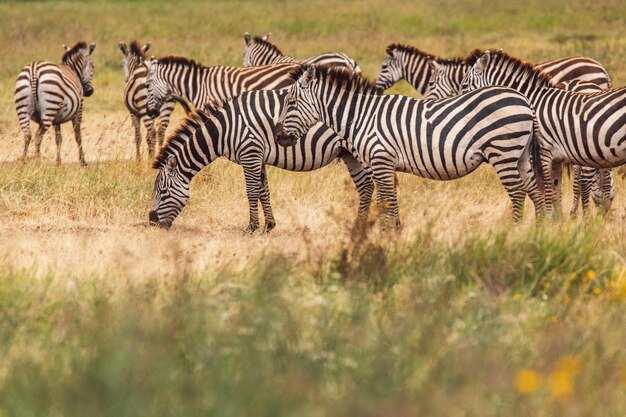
(440, 140)
(136, 98)
(51, 94)
(208, 87)
(243, 131)
(418, 67)
(583, 129)
(259, 51)
(445, 81)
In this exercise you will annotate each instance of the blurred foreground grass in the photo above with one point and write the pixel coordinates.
(530, 325)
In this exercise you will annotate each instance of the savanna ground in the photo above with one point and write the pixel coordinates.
(462, 314)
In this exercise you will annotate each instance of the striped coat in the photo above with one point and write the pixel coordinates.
(51, 94)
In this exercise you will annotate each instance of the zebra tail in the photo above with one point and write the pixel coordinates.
(535, 151)
(34, 86)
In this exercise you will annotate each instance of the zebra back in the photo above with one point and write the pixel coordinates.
(259, 51)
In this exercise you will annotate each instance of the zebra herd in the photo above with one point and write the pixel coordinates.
(301, 114)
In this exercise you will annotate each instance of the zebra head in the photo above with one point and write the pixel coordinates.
(440, 83)
(170, 195)
(477, 76)
(300, 111)
(391, 71)
(257, 50)
(158, 89)
(79, 59)
(133, 57)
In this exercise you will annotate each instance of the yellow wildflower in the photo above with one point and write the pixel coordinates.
(597, 291)
(553, 319)
(590, 275)
(517, 297)
(560, 384)
(570, 364)
(572, 276)
(527, 381)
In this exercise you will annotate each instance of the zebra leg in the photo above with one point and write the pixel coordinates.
(43, 127)
(512, 181)
(25, 125)
(526, 170)
(58, 139)
(264, 197)
(603, 190)
(587, 176)
(546, 166)
(577, 174)
(557, 179)
(384, 176)
(252, 167)
(362, 178)
(150, 137)
(77, 135)
(137, 127)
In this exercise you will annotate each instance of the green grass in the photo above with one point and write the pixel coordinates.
(445, 335)
(462, 314)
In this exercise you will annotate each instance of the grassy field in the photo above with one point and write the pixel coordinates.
(462, 314)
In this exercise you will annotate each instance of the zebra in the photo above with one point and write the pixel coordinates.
(583, 129)
(417, 68)
(445, 81)
(259, 51)
(51, 94)
(135, 98)
(440, 140)
(243, 132)
(176, 77)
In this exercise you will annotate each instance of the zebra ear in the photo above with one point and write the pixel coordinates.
(91, 48)
(123, 47)
(434, 65)
(267, 37)
(145, 48)
(307, 76)
(246, 38)
(484, 60)
(170, 164)
(67, 48)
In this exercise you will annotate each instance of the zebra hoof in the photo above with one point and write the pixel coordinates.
(269, 226)
(250, 229)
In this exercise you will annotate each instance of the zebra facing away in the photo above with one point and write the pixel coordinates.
(51, 94)
(243, 132)
(584, 129)
(440, 140)
(136, 98)
(445, 81)
(175, 77)
(260, 51)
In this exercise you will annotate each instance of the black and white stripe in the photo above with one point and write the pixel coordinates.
(440, 140)
(51, 94)
(243, 132)
(405, 62)
(260, 51)
(584, 129)
(136, 98)
(445, 81)
(208, 87)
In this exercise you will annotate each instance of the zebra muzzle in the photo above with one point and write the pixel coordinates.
(154, 221)
(284, 138)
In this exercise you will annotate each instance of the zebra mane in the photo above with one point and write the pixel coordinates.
(73, 51)
(267, 44)
(177, 59)
(344, 77)
(135, 49)
(175, 142)
(412, 50)
(515, 64)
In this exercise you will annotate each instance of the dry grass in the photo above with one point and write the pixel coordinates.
(436, 321)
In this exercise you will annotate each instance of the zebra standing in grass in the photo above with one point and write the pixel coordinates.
(243, 131)
(437, 78)
(440, 140)
(584, 129)
(259, 51)
(52, 94)
(136, 98)
(208, 87)
(418, 67)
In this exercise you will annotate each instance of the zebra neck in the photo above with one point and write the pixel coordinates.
(416, 71)
(529, 83)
